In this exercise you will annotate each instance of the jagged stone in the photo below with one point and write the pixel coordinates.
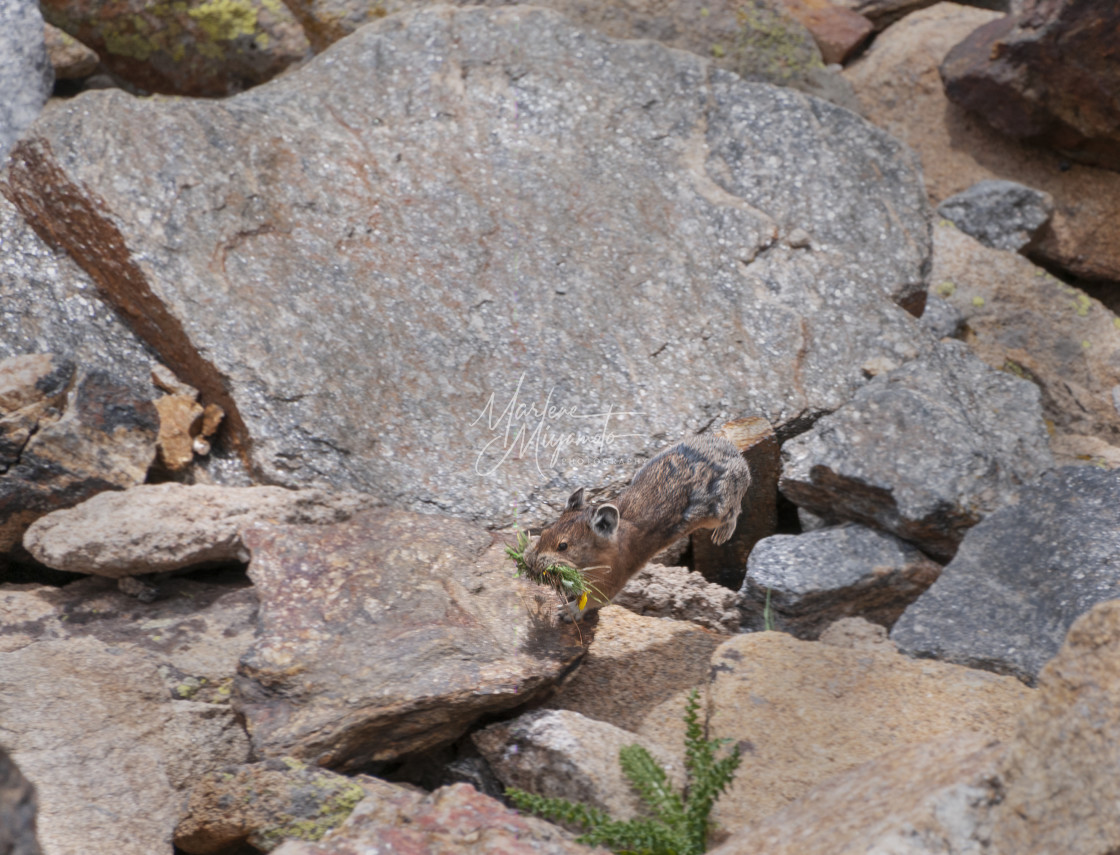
(813, 579)
(924, 451)
(1040, 563)
(999, 214)
(680, 594)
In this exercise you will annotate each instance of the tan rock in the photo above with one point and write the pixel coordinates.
(71, 59)
(1023, 320)
(180, 421)
(1062, 774)
(899, 88)
(804, 711)
(909, 801)
(681, 594)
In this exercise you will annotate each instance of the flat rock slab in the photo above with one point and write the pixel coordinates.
(390, 634)
(157, 528)
(924, 451)
(814, 579)
(480, 222)
(804, 711)
(1022, 577)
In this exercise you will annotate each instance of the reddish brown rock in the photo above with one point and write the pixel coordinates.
(1049, 73)
(838, 32)
(71, 59)
(390, 634)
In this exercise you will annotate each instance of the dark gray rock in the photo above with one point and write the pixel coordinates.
(999, 214)
(26, 74)
(941, 318)
(819, 577)
(474, 210)
(436, 633)
(924, 451)
(1022, 577)
(17, 810)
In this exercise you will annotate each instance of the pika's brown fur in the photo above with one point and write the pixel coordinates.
(697, 483)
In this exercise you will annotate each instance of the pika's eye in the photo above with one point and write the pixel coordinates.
(562, 547)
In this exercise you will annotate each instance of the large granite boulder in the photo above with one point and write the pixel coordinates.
(26, 74)
(1048, 73)
(464, 259)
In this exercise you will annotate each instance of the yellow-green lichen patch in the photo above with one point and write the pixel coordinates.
(338, 802)
(947, 289)
(1081, 305)
(225, 20)
(718, 51)
(978, 301)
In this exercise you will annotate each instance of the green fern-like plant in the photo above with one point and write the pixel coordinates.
(679, 822)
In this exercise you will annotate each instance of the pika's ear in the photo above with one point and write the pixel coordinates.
(575, 501)
(605, 521)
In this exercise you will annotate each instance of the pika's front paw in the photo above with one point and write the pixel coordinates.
(571, 612)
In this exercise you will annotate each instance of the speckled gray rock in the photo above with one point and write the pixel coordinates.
(1022, 577)
(1000, 214)
(26, 75)
(680, 594)
(941, 318)
(470, 213)
(819, 577)
(924, 451)
(562, 754)
(157, 528)
(17, 810)
(48, 304)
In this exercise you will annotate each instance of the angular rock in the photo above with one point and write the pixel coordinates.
(562, 754)
(70, 59)
(156, 528)
(1023, 320)
(931, 798)
(673, 147)
(999, 214)
(18, 806)
(264, 804)
(680, 594)
(450, 821)
(197, 47)
(900, 90)
(726, 563)
(941, 318)
(94, 728)
(79, 433)
(1047, 74)
(804, 711)
(180, 421)
(26, 76)
(923, 452)
(438, 633)
(816, 578)
(1062, 771)
(1040, 563)
(838, 32)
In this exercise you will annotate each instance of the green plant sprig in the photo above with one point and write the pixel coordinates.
(679, 824)
(567, 580)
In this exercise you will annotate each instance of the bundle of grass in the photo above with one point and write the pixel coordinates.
(569, 582)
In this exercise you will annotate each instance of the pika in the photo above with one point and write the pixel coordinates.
(696, 484)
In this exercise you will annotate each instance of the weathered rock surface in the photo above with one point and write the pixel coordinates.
(65, 435)
(930, 798)
(839, 32)
(724, 170)
(94, 728)
(156, 528)
(1023, 320)
(191, 48)
(999, 214)
(1040, 564)
(69, 58)
(26, 75)
(450, 821)
(924, 451)
(816, 578)
(18, 806)
(1062, 771)
(900, 90)
(941, 318)
(804, 711)
(562, 754)
(883, 13)
(264, 804)
(1048, 74)
(681, 594)
(437, 634)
